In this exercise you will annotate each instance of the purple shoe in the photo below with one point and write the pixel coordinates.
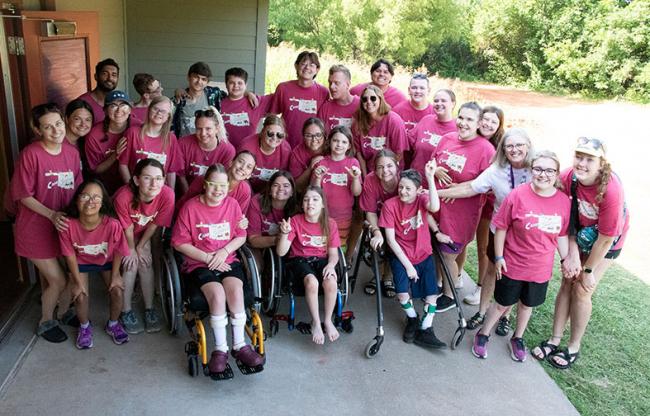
(118, 333)
(218, 362)
(85, 338)
(479, 349)
(517, 349)
(248, 356)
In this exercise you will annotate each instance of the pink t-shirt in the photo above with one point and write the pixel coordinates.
(196, 161)
(411, 115)
(334, 114)
(98, 109)
(424, 139)
(411, 227)
(139, 114)
(464, 160)
(297, 104)
(608, 214)
(392, 95)
(307, 239)
(260, 223)
(299, 160)
(388, 133)
(533, 225)
(159, 211)
(52, 181)
(266, 165)
(373, 194)
(337, 186)
(96, 246)
(240, 119)
(241, 193)
(150, 148)
(207, 228)
(99, 146)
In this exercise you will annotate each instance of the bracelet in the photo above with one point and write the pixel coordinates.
(497, 258)
(226, 249)
(562, 260)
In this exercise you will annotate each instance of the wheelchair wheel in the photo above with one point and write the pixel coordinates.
(252, 273)
(271, 282)
(193, 365)
(372, 349)
(457, 338)
(169, 286)
(344, 281)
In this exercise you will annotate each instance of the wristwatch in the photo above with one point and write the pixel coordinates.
(587, 270)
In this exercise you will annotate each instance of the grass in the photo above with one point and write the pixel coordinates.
(613, 373)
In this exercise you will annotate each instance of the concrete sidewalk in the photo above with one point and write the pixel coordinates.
(149, 375)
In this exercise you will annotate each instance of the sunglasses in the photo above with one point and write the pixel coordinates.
(204, 113)
(372, 98)
(591, 142)
(270, 135)
(419, 75)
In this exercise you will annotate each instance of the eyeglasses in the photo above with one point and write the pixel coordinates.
(161, 111)
(204, 113)
(548, 172)
(517, 146)
(591, 142)
(215, 184)
(147, 178)
(315, 136)
(278, 134)
(88, 197)
(372, 98)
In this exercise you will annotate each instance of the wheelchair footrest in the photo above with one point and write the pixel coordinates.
(246, 370)
(226, 374)
(344, 322)
(304, 328)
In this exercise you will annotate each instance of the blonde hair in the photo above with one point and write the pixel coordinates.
(547, 154)
(166, 127)
(605, 176)
(222, 134)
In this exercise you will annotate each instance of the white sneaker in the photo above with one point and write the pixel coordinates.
(473, 298)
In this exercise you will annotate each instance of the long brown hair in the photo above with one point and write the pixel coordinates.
(362, 119)
(270, 120)
(139, 167)
(323, 218)
(166, 127)
(605, 176)
(266, 202)
(498, 135)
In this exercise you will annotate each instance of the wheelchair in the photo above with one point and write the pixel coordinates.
(182, 302)
(277, 286)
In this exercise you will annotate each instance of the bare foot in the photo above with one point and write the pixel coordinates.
(317, 334)
(331, 331)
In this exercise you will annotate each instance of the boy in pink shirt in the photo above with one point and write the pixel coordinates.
(418, 106)
(149, 88)
(339, 109)
(300, 99)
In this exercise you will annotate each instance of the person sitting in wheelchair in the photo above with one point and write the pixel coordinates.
(312, 240)
(208, 233)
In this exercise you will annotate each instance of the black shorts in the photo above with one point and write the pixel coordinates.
(509, 291)
(298, 267)
(490, 247)
(203, 275)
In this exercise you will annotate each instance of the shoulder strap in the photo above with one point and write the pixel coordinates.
(573, 219)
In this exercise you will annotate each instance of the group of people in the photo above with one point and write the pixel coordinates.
(300, 170)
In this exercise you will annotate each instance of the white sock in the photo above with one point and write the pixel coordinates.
(111, 323)
(85, 325)
(429, 313)
(409, 309)
(218, 324)
(238, 321)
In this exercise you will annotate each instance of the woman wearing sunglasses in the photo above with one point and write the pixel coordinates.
(600, 221)
(271, 151)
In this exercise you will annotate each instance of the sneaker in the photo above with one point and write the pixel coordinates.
(117, 332)
(131, 323)
(517, 349)
(479, 348)
(475, 321)
(410, 329)
(85, 338)
(151, 321)
(473, 298)
(503, 327)
(444, 303)
(427, 338)
(248, 356)
(218, 362)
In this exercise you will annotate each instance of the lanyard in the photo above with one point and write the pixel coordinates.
(512, 178)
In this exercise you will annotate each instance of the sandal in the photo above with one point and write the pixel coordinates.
(567, 356)
(388, 289)
(50, 331)
(370, 288)
(546, 350)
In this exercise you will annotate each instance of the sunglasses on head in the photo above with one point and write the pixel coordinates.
(591, 142)
(204, 113)
(278, 134)
(372, 98)
(419, 75)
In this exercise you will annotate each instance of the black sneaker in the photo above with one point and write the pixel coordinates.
(410, 329)
(475, 321)
(427, 338)
(444, 303)
(503, 327)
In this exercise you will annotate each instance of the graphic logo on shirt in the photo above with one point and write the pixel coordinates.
(340, 121)
(588, 210)
(200, 169)
(220, 231)
(433, 138)
(64, 180)
(160, 157)
(269, 227)
(455, 161)
(264, 174)
(551, 224)
(375, 143)
(314, 240)
(93, 249)
(236, 119)
(305, 106)
(339, 179)
(412, 223)
(143, 220)
(408, 125)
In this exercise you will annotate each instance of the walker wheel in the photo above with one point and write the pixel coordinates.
(457, 338)
(193, 365)
(372, 349)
